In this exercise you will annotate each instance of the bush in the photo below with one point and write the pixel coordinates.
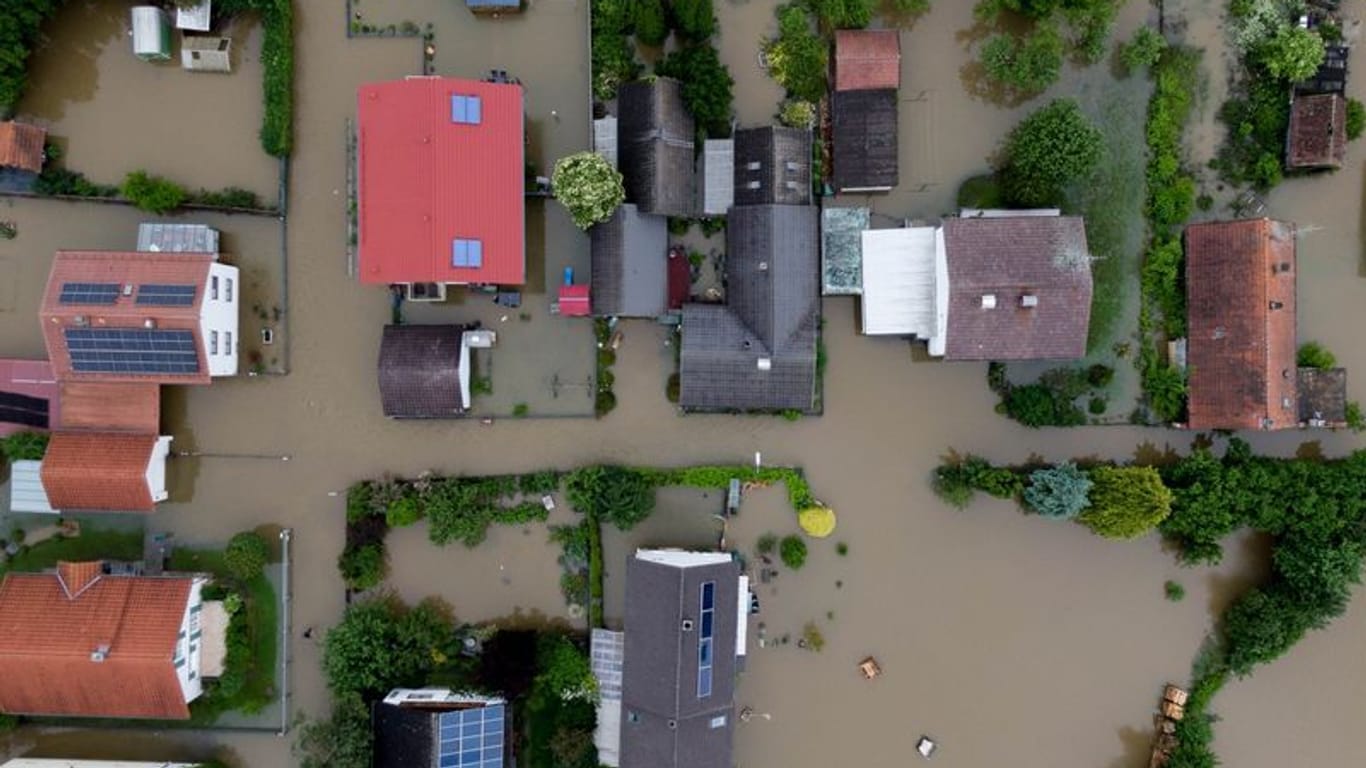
(1174, 591)
(796, 113)
(588, 187)
(1314, 355)
(20, 32)
(797, 57)
(1061, 492)
(1126, 502)
(1051, 149)
(1165, 387)
(1356, 119)
(766, 544)
(1024, 65)
(344, 740)
(1256, 118)
(812, 639)
(620, 496)
(614, 62)
(651, 26)
(277, 59)
(402, 512)
(604, 403)
(1096, 406)
(60, 181)
(152, 193)
(246, 555)
(228, 197)
(1100, 375)
(1292, 53)
(363, 567)
(24, 446)
(382, 644)
(981, 192)
(694, 20)
(817, 522)
(1143, 50)
(792, 551)
(706, 88)
(1038, 405)
(842, 14)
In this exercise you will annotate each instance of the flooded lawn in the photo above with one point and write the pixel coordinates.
(1011, 640)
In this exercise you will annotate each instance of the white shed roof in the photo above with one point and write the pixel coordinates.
(194, 17)
(151, 33)
(158, 237)
(26, 492)
(900, 283)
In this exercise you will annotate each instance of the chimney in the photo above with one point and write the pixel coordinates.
(100, 653)
(1029, 301)
(989, 301)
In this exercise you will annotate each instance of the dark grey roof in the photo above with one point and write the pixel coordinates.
(1332, 74)
(759, 351)
(419, 371)
(403, 736)
(655, 137)
(865, 132)
(1323, 396)
(773, 165)
(630, 259)
(664, 724)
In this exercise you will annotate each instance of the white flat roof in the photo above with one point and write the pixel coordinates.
(26, 492)
(195, 17)
(682, 558)
(606, 654)
(899, 281)
(742, 623)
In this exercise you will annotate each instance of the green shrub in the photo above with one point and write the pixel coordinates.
(694, 20)
(604, 403)
(1292, 53)
(1164, 285)
(766, 544)
(344, 740)
(797, 57)
(842, 14)
(1047, 152)
(1038, 405)
(588, 187)
(1126, 502)
(616, 495)
(382, 644)
(1256, 117)
(1025, 64)
(24, 446)
(1062, 491)
(1100, 375)
(1174, 591)
(522, 410)
(403, 511)
(792, 551)
(1314, 355)
(1096, 406)
(228, 197)
(614, 62)
(706, 87)
(651, 26)
(797, 113)
(152, 193)
(842, 549)
(20, 34)
(982, 191)
(246, 555)
(1356, 119)
(1165, 387)
(363, 567)
(1143, 50)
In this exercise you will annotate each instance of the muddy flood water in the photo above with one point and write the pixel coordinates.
(1010, 640)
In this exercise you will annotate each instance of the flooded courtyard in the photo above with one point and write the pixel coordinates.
(1010, 640)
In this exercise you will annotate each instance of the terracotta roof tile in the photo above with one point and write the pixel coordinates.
(21, 146)
(867, 59)
(105, 471)
(47, 640)
(76, 577)
(1240, 297)
(1318, 131)
(111, 406)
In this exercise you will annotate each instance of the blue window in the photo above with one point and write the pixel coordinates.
(708, 596)
(704, 639)
(467, 253)
(466, 109)
(704, 652)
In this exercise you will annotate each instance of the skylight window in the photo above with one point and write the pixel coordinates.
(467, 253)
(466, 110)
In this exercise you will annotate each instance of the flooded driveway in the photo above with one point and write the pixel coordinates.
(1013, 641)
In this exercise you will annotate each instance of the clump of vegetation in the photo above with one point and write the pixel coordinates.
(651, 24)
(1048, 151)
(842, 549)
(1314, 355)
(521, 410)
(1060, 492)
(344, 740)
(956, 480)
(766, 544)
(1356, 119)
(24, 446)
(707, 87)
(1143, 50)
(1174, 591)
(812, 639)
(153, 194)
(246, 555)
(982, 191)
(842, 14)
(1291, 53)
(604, 398)
(1126, 502)
(797, 57)
(614, 58)
(693, 20)
(382, 644)
(796, 113)
(588, 187)
(792, 551)
(1028, 62)
(909, 7)
(1050, 401)
(616, 495)
(402, 512)
(19, 36)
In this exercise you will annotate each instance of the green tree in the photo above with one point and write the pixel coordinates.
(651, 25)
(706, 87)
(1143, 50)
(588, 187)
(20, 32)
(152, 193)
(792, 551)
(1356, 119)
(1126, 502)
(1026, 64)
(618, 495)
(1061, 491)
(1314, 355)
(614, 62)
(344, 740)
(403, 511)
(842, 14)
(24, 446)
(797, 57)
(796, 113)
(564, 670)
(246, 555)
(363, 567)
(382, 644)
(1051, 149)
(694, 20)
(1292, 53)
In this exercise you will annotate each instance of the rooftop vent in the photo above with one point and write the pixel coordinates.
(790, 184)
(687, 625)
(79, 320)
(752, 185)
(673, 725)
(127, 289)
(1029, 301)
(753, 166)
(989, 301)
(149, 323)
(100, 653)
(793, 166)
(763, 266)
(1277, 305)
(765, 364)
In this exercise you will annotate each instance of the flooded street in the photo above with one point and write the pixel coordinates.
(1011, 640)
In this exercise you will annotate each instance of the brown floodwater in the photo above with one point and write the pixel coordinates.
(1013, 641)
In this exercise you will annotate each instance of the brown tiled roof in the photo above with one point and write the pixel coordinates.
(419, 371)
(49, 633)
(1240, 297)
(867, 59)
(1009, 259)
(123, 268)
(111, 406)
(21, 146)
(76, 577)
(98, 471)
(1318, 131)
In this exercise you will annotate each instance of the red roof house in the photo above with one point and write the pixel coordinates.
(114, 316)
(21, 147)
(1318, 131)
(1240, 307)
(441, 182)
(867, 59)
(83, 643)
(105, 471)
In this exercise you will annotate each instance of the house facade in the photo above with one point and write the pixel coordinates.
(83, 641)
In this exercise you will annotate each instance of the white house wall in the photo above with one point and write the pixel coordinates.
(188, 652)
(156, 469)
(220, 315)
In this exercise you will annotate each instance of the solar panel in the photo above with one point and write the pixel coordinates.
(150, 352)
(22, 409)
(89, 293)
(472, 738)
(166, 295)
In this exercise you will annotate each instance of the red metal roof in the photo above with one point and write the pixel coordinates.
(98, 471)
(1240, 306)
(30, 378)
(21, 146)
(425, 180)
(123, 268)
(867, 59)
(48, 632)
(574, 301)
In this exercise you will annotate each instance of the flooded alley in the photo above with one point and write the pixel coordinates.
(1011, 640)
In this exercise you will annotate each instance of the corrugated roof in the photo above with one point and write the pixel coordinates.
(21, 146)
(1009, 259)
(1318, 131)
(165, 237)
(99, 471)
(1240, 303)
(899, 282)
(867, 59)
(865, 139)
(426, 180)
(26, 492)
(47, 639)
(419, 371)
(655, 135)
(629, 264)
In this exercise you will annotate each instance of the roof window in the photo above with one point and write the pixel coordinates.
(467, 253)
(466, 110)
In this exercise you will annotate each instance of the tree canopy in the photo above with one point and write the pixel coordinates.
(344, 740)
(1048, 151)
(588, 187)
(1292, 53)
(694, 20)
(1024, 65)
(1062, 491)
(246, 555)
(797, 57)
(706, 87)
(1126, 502)
(618, 495)
(382, 644)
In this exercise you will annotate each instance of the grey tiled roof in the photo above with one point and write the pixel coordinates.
(655, 136)
(403, 737)
(773, 165)
(1323, 396)
(661, 662)
(630, 260)
(865, 137)
(771, 319)
(1009, 258)
(419, 371)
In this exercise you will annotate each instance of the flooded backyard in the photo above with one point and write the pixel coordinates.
(1011, 640)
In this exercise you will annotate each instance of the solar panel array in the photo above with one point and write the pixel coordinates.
(22, 409)
(108, 350)
(89, 293)
(166, 295)
(472, 738)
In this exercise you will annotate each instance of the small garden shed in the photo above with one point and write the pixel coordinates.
(151, 33)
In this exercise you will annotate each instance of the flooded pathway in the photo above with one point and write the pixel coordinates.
(1012, 640)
